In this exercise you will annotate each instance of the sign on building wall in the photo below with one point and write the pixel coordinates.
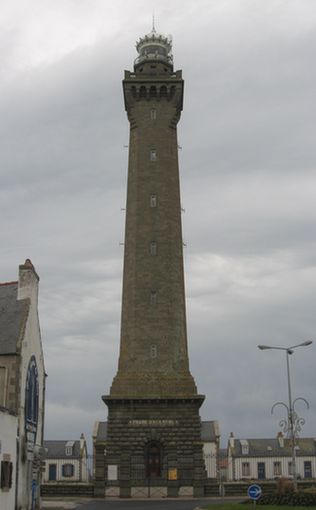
(112, 472)
(172, 474)
(31, 407)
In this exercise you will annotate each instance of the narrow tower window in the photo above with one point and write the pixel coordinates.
(153, 114)
(3, 378)
(153, 200)
(153, 248)
(153, 351)
(153, 155)
(153, 297)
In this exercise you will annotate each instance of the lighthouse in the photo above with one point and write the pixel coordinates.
(153, 437)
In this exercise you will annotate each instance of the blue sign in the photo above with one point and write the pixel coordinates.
(254, 492)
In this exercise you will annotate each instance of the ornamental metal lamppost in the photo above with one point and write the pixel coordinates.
(293, 424)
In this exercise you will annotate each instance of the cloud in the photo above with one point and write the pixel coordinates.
(248, 175)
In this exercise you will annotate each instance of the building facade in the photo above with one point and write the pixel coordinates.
(8, 459)
(209, 435)
(66, 461)
(270, 459)
(154, 427)
(22, 388)
(211, 440)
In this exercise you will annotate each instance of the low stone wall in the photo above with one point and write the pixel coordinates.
(51, 490)
(212, 489)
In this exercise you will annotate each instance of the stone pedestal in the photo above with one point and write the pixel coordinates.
(174, 426)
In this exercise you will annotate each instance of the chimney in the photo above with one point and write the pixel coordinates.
(280, 438)
(82, 443)
(28, 282)
(231, 440)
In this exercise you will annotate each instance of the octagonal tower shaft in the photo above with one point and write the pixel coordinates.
(153, 358)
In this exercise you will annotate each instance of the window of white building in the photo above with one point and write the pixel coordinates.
(307, 469)
(68, 470)
(6, 474)
(277, 471)
(3, 380)
(69, 448)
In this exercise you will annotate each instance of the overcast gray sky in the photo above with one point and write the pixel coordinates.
(248, 183)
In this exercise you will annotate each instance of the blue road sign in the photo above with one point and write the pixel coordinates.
(254, 491)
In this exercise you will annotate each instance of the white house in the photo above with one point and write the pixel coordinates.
(66, 461)
(210, 438)
(269, 459)
(22, 390)
(8, 428)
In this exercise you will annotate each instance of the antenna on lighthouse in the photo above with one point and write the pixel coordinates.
(153, 28)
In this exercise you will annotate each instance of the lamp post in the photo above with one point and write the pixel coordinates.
(293, 424)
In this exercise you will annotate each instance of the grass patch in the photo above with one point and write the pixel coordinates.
(241, 506)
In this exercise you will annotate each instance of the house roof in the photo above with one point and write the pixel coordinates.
(57, 449)
(12, 317)
(272, 447)
(101, 430)
(209, 430)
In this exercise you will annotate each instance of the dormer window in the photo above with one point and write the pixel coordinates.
(244, 447)
(69, 448)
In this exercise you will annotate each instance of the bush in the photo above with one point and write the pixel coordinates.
(289, 498)
(284, 486)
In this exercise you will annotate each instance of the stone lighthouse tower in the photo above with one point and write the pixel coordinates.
(154, 428)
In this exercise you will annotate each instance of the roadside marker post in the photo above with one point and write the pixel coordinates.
(254, 492)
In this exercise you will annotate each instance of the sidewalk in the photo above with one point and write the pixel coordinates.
(62, 503)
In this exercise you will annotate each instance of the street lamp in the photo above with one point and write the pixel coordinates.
(293, 424)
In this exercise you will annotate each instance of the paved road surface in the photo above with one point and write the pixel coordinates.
(166, 504)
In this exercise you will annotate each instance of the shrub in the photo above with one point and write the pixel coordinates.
(289, 498)
(284, 486)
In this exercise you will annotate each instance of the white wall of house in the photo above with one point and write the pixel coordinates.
(8, 428)
(59, 463)
(31, 346)
(210, 459)
(275, 467)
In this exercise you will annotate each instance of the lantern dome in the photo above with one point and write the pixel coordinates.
(154, 47)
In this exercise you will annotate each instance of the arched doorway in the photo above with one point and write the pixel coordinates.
(153, 460)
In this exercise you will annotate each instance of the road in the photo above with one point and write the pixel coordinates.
(130, 504)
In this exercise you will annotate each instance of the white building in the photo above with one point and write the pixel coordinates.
(269, 459)
(210, 437)
(8, 428)
(22, 390)
(66, 461)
